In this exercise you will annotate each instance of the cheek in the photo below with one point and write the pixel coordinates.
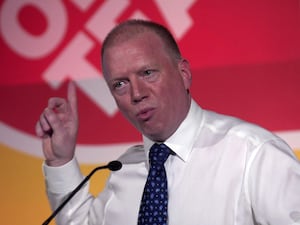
(175, 99)
(125, 107)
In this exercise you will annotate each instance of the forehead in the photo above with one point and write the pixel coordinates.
(142, 46)
(147, 39)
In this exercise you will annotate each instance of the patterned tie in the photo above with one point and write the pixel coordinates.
(154, 205)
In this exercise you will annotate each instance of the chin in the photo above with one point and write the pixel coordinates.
(154, 133)
(156, 137)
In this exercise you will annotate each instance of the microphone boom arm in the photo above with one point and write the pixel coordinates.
(113, 166)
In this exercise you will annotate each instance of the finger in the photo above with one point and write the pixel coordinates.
(72, 97)
(51, 121)
(43, 128)
(39, 130)
(44, 123)
(58, 104)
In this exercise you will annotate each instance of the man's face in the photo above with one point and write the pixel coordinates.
(149, 87)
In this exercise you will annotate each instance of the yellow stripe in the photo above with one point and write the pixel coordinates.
(297, 151)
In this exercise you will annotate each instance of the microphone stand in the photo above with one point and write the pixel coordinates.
(113, 166)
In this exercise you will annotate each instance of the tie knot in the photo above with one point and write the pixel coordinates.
(159, 154)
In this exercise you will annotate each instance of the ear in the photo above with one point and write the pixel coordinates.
(184, 68)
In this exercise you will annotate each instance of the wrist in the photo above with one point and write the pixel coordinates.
(57, 162)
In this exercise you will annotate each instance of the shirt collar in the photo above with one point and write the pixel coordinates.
(181, 142)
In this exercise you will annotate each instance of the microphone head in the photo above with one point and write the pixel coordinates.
(114, 165)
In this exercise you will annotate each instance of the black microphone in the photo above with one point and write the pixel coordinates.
(112, 166)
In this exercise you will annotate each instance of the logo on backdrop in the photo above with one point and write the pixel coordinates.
(71, 61)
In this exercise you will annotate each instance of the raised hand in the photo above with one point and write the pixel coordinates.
(58, 126)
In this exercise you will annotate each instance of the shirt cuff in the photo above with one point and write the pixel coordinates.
(62, 179)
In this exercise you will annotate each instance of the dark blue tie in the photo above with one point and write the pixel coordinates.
(154, 205)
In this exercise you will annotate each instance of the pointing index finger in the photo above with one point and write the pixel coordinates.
(72, 97)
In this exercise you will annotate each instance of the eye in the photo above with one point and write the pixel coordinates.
(148, 72)
(119, 87)
(150, 75)
(118, 84)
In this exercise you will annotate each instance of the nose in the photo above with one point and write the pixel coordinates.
(138, 90)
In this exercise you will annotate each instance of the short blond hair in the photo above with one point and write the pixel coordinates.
(131, 28)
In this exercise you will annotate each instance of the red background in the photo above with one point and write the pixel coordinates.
(245, 59)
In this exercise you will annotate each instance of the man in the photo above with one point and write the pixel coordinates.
(219, 170)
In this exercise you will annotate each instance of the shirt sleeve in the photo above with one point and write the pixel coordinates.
(274, 185)
(60, 181)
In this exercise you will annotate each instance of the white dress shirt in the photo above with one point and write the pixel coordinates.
(224, 172)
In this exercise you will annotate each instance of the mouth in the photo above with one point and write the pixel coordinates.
(145, 114)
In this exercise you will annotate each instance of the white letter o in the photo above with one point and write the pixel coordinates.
(24, 43)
